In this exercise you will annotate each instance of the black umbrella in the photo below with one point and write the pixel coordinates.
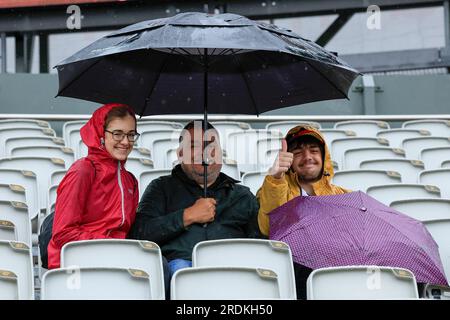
(200, 63)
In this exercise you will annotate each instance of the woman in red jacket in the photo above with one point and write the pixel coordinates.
(97, 199)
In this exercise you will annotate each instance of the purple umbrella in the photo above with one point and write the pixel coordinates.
(355, 229)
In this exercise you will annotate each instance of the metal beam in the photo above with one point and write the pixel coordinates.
(399, 60)
(103, 16)
(3, 52)
(333, 29)
(43, 53)
(24, 52)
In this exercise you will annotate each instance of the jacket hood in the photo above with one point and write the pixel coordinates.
(327, 169)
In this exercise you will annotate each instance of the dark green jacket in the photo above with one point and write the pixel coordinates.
(159, 216)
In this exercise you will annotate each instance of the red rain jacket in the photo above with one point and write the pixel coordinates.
(97, 198)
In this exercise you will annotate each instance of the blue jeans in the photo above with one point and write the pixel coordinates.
(177, 264)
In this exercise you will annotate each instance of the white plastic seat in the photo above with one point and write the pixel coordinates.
(226, 127)
(243, 147)
(161, 147)
(71, 126)
(285, 126)
(42, 141)
(95, 284)
(82, 150)
(253, 180)
(339, 146)
(408, 169)
(436, 292)
(361, 283)
(432, 157)
(354, 157)
(224, 283)
(120, 253)
(332, 134)
(148, 176)
(147, 137)
(16, 257)
(28, 180)
(51, 197)
(439, 230)
(362, 179)
(423, 209)
(263, 146)
(230, 168)
(151, 125)
(73, 141)
(9, 286)
(7, 231)
(402, 191)
(413, 146)
(254, 253)
(396, 136)
(64, 153)
(21, 132)
(437, 177)
(42, 167)
(138, 165)
(445, 164)
(56, 177)
(17, 213)
(23, 123)
(363, 128)
(436, 127)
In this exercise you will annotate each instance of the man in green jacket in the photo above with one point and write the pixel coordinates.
(173, 213)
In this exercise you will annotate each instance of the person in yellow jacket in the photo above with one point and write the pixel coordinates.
(303, 167)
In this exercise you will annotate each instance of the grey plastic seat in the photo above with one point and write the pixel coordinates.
(138, 165)
(226, 127)
(332, 134)
(43, 141)
(423, 209)
(161, 147)
(254, 180)
(362, 179)
(408, 169)
(263, 146)
(439, 230)
(56, 177)
(396, 136)
(436, 127)
(151, 125)
(122, 253)
(285, 126)
(69, 126)
(363, 128)
(21, 132)
(7, 231)
(361, 283)
(254, 253)
(64, 153)
(432, 157)
(146, 177)
(224, 283)
(402, 191)
(436, 292)
(17, 213)
(148, 137)
(437, 177)
(230, 168)
(23, 123)
(16, 257)
(445, 164)
(95, 284)
(9, 286)
(413, 146)
(354, 157)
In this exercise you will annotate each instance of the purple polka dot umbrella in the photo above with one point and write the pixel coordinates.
(355, 229)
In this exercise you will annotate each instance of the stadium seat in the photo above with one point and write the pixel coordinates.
(445, 164)
(254, 180)
(226, 127)
(138, 165)
(161, 148)
(230, 168)
(254, 253)
(120, 253)
(423, 209)
(362, 179)
(436, 127)
(224, 283)
(363, 128)
(402, 191)
(354, 157)
(64, 153)
(432, 157)
(396, 136)
(145, 125)
(437, 177)
(9, 286)
(95, 284)
(263, 146)
(148, 176)
(332, 134)
(439, 229)
(285, 126)
(7, 231)
(56, 177)
(339, 146)
(17, 213)
(23, 123)
(70, 126)
(361, 283)
(43, 141)
(16, 257)
(413, 146)
(21, 132)
(436, 292)
(146, 139)
(408, 169)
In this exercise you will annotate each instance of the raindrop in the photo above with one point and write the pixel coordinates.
(223, 94)
(168, 11)
(263, 66)
(306, 68)
(190, 78)
(274, 3)
(188, 99)
(163, 101)
(263, 4)
(281, 101)
(258, 75)
(177, 10)
(288, 93)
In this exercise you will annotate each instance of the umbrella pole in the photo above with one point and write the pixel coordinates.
(205, 122)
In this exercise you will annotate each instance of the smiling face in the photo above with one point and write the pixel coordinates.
(308, 160)
(120, 150)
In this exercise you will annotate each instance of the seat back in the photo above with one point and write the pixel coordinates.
(408, 169)
(393, 192)
(437, 177)
(423, 209)
(362, 179)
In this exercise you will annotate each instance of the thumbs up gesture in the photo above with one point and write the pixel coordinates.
(283, 162)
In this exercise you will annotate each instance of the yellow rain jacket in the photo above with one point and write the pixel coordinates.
(276, 192)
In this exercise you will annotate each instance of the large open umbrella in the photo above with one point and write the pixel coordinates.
(199, 63)
(355, 229)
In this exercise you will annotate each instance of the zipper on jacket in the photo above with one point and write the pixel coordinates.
(119, 178)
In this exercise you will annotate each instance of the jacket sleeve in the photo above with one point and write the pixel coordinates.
(152, 222)
(273, 193)
(71, 201)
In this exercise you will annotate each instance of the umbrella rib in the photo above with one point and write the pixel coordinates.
(247, 84)
(77, 77)
(318, 71)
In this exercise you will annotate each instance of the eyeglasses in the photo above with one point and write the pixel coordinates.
(119, 135)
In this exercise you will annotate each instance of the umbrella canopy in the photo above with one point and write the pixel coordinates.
(158, 67)
(355, 229)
